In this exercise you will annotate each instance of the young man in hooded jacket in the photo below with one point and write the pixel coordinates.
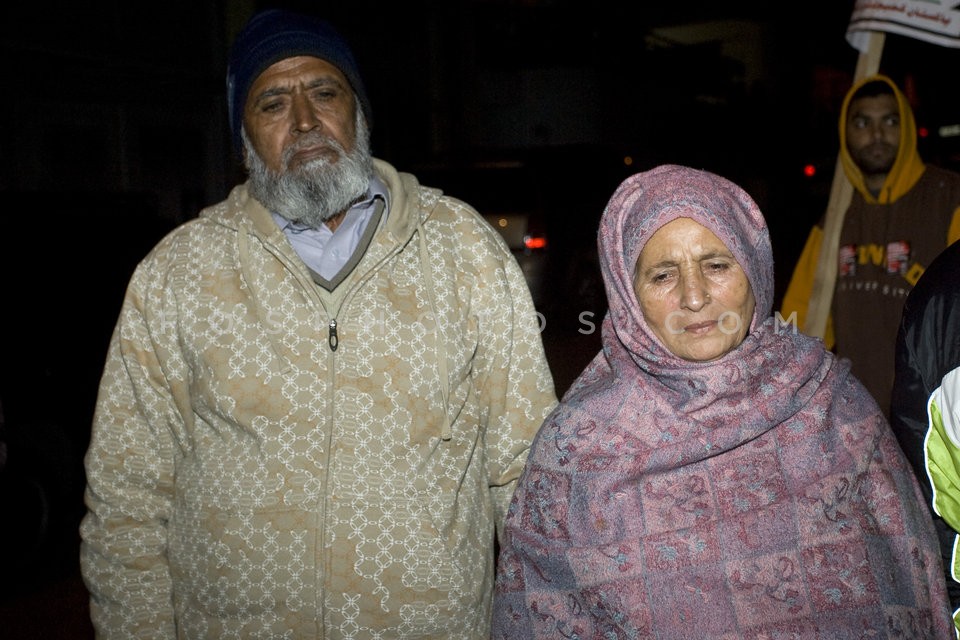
(902, 214)
(319, 394)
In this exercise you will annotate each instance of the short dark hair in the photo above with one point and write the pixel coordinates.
(873, 89)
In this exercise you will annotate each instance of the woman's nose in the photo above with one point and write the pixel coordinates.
(694, 292)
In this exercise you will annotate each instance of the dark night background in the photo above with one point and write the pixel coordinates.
(113, 130)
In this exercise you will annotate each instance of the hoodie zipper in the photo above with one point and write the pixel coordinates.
(332, 338)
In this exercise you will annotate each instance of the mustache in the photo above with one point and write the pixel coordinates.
(309, 140)
(880, 145)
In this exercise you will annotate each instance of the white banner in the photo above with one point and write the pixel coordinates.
(934, 21)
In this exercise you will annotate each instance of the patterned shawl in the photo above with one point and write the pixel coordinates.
(759, 495)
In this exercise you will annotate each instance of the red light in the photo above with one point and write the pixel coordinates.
(923, 132)
(534, 242)
(809, 170)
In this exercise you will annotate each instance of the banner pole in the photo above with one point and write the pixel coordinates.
(841, 192)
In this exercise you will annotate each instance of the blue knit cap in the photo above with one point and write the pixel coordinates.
(276, 34)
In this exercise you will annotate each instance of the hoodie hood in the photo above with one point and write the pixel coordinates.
(908, 166)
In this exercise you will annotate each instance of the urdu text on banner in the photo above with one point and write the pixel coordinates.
(934, 21)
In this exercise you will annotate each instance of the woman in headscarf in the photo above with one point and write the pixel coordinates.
(712, 473)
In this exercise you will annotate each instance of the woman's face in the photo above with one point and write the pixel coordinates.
(692, 291)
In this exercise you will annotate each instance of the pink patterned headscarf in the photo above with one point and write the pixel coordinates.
(761, 494)
(648, 201)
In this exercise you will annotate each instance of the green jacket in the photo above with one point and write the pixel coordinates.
(925, 404)
(942, 453)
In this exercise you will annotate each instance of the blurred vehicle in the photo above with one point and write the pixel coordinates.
(507, 193)
(516, 229)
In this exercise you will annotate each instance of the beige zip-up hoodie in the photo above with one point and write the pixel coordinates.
(270, 459)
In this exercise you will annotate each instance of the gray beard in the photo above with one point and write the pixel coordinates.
(318, 190)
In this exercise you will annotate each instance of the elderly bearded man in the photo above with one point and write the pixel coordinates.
(319, 394)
